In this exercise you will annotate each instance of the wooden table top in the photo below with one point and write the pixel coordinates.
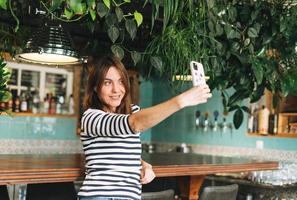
(22, 169)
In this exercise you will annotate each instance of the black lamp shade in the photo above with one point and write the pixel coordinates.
(50, 45)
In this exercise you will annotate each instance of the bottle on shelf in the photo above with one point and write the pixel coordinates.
(36, 103)
(46, 104)
(255, 119)
(71, 105)
(16, 104)
(263, 120)
(23, 103)
(53, 105)
(29, 99)
(60, 103)
(10, 104)
(273, 122)
(251, 118)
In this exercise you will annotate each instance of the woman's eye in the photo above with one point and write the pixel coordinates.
(121, 82)
(107, 83)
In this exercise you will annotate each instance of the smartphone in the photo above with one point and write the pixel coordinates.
(197, 72)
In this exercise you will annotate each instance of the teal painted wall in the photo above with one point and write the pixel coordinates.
(146, 100)
(52, 128)
(180, 127)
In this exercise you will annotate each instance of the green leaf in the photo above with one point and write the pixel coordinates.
(117, 51)
(258, 93)
(68, 13)
(219, 29)
(135, 57)
(6, 96)
(238, 118)
(107, 3)
(127, 1)
(111, 19)
(138, 17)
(93, 14)
(113, 33)
(210, 4)
(246, 42)
(55, 4)
(91, 4)
(235, 46)
(131, 28)
(76, 6)
(258, 72)
(119, 13)
(246, 109)
(102, 10)
(252, 32)
(3, 4)
(232, 108)
(157, 63)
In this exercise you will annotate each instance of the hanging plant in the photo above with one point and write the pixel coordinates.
(244, 45)
(5, 95)
(118, 25)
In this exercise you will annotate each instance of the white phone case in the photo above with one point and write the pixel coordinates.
(197, 72)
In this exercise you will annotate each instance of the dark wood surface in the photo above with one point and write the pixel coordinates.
(15, 169)
(178, 164)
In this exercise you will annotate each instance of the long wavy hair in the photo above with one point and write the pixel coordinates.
(97, 74)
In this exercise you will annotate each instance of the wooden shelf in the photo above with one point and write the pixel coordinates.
(27, 114)
(288, 114)
(286, 135)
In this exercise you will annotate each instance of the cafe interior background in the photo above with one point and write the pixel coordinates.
(248, 49)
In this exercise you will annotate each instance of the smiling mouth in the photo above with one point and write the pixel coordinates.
(115, 97)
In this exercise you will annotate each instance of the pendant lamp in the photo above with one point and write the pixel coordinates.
(50, 45)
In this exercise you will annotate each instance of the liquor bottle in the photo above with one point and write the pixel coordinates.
(255, 119)
(263, 120)
(60, 102)
(251, 119)
(273, 120)
(29, 99)
(17, 104)
(46, 104)
(53, 105)
(23, 103)
(10, 104)
(36, 103)
(71, 105)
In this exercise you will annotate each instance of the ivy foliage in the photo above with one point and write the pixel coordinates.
(5, 95)
(117, 18)
(245, 45)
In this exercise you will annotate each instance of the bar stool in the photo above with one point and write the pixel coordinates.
(226, 192)
(51, 191)
(4, 193)
(162, 195)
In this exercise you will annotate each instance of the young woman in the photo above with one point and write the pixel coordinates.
(111, 129)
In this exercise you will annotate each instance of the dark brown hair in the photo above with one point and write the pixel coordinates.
(98, 71)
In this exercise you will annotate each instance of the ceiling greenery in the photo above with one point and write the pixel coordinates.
(244, 45)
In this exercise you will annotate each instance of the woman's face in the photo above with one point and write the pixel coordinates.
(113, 90)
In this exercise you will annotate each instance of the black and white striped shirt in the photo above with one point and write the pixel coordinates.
(113, 153)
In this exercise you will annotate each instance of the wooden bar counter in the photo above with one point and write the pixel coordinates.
(190, 168)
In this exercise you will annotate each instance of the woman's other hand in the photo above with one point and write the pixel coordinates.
(147, 173)
(195, 95)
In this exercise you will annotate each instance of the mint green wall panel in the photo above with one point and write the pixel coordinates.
(180, 127)
(29, 127)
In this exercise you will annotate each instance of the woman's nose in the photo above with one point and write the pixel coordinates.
(115, 87)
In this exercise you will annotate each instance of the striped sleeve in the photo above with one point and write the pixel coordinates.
(135, 108)
(99, 123)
